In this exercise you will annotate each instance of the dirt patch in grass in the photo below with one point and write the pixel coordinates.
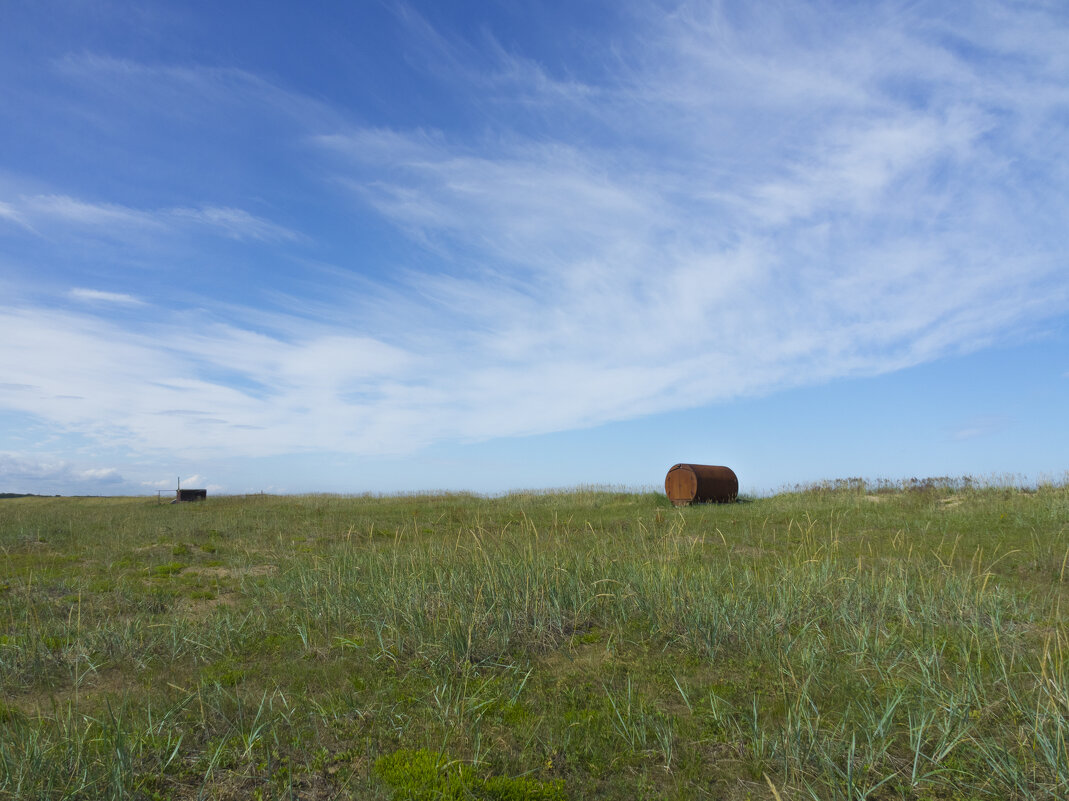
(577, 658)
(216, 571)
(95, 689)
(210, 572)
(202, 607)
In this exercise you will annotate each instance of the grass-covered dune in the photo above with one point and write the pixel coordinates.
(833, 643)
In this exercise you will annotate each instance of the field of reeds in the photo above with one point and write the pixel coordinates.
(841, 642)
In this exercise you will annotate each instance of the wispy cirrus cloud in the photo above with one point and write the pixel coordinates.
(10, 213)
(234, 223)
(100, 296)
(38, 212)
(866, 240)
(72, 211)
(980, 427)
(185, 91)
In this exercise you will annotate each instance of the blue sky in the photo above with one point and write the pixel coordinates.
(390, 246)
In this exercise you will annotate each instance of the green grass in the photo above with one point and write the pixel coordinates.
(844, 642)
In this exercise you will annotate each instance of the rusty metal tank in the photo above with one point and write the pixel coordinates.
(701, 483)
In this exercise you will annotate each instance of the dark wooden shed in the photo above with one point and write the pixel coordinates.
(182, 495)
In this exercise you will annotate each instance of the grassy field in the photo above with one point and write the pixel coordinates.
(849, 642)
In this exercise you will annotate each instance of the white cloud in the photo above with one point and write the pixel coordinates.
(161, 484)
(100, 474)
(96, 215)
(49, 474)
(97, 295)
(161, 389)
(980, 427)
(42, 212)
(235, 223)
(179, 92)
(11, 214)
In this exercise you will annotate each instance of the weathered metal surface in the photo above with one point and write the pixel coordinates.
(701, 483)
(182, 495)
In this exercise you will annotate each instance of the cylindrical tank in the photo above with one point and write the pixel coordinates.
(700, 483)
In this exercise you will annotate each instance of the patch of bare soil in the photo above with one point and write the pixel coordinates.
(212, 572)
(577, 658)
(91, 693)
(230, 572)
(232, 785)
(202, 607)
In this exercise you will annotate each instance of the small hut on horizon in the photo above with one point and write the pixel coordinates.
(183, 495)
